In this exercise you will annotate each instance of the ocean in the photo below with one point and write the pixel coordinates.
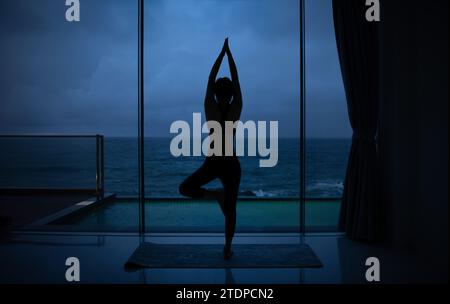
(70, 163)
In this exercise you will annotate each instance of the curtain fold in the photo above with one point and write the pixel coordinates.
(358, 49)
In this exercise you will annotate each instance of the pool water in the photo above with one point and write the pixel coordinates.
(205, 216)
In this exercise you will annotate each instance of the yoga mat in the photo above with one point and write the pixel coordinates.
(152, 255)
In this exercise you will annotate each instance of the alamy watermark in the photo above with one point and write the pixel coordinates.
(373, 272)
(73, 270)
(373, 12)
(73, 12)
(257, 139)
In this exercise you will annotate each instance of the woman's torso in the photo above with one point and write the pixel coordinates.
(221, 116)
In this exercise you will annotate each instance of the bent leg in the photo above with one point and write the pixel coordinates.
(192, 186)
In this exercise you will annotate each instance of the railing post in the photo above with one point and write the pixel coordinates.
(102, 167)
(141, 116)
(97, 165)
(302, 225)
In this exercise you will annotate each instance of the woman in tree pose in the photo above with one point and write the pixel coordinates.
(223, 102)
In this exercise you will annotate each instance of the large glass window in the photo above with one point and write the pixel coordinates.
(182, 41)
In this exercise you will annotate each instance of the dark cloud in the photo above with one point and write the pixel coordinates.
(60, 77)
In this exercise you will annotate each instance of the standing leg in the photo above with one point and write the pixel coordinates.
(230, 181)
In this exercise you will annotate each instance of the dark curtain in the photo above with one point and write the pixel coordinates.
(357, 43)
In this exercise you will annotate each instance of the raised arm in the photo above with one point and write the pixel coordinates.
(209, 98)
(236, 106)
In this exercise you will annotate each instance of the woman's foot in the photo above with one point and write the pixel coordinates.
(227, 252)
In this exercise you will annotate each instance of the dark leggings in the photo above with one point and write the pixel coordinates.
(228, 170)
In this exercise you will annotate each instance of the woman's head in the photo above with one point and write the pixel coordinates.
(223, 89)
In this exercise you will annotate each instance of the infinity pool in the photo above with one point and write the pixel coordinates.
(175, 215)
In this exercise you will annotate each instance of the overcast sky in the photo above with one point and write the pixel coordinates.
(66, 78)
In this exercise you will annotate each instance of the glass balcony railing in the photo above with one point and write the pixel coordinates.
(52, 163)
(43, 175)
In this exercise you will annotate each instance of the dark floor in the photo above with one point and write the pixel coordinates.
(40, 258)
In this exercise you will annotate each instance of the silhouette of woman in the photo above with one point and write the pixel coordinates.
(223, 102)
